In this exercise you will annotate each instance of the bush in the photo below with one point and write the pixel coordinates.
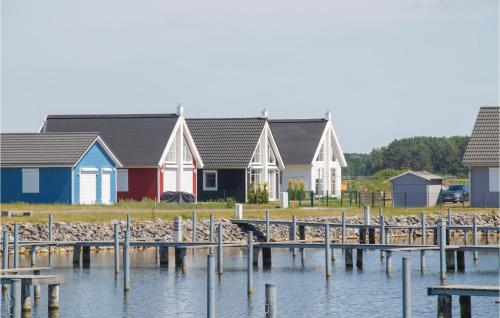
(258, 194)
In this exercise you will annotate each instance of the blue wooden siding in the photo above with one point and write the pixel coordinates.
(96, 157)
(54, 186)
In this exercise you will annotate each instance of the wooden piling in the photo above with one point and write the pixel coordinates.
(461, 261)
(410, 234)
(220, 266)
(382, 231)
(465, 306)
(266, 257)
(293, 234)
(359, 251)
(126, 262)
(26, 302)
(86, 256)
(474, 236)
(423, 220)
(5, 249)
(163, 251)
(210, 286)
(116, 236)
(270, 309)
(442, 248)
(38, 291)
(77, 251)
(255, 256)
(348, 257)
(327, 251)
(180, 257)
(50, 238)
(450, 260)
(53, 297)
(33, 255)
(444, 304)
(16, 245)
(268, 226)
(15, 295)
(388, 262)
(371, 236)
(406, 287)
(193, 227)
(343, 226)
(211, 228)
(302, 237)
(249, 262)
(422, 260)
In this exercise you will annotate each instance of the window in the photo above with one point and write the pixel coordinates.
(271, 176)
(333, 181)
(256, 157)
(270, 154)
(494, 179)
(186, 152)
(321, 154)
(171, 151)
(255, 177)
(31, 181)
(319, 182)
(333, 152)
(210, 180)
(122, 180)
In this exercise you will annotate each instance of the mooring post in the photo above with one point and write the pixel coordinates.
(266, 257)
(163, 250)
(249, 262)
(16, 245)
(38, 291)
(442, 249)
(423, 220)
(268, 225)
(450, 260)
(465, 306)
(388, 262)
(77, 251)
(210, 286)
(53, 297)
(270, 308)
(50, 239)
(435, 232)
(406, 287)
(255, 253)
(86, 256)
(474, 235)
(178, 229)
(444, 306)
(5, 249)
(327, 250)
(15, 295)
(410, 234)
(461, 261)
(343, 226)
(367, 215)
(116, 236)
(126, 262)
(193, 227)
(382, 234)
(33, 255)
(220, 266)
(26, 302)
(422, 260)
(348, 257)
(293, 232)
(211, 228)
(302, 237)
(448, 230)
(359, 251)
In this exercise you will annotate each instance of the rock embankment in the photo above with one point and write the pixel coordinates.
(163, 230)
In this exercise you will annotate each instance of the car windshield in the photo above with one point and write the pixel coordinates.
(456, 188)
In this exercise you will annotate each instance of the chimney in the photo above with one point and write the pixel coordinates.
(180, 109)
(328, 116)
(265, 114)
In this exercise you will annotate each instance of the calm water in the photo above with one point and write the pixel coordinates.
(302, 291)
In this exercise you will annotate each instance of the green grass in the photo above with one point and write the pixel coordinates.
(151, 211)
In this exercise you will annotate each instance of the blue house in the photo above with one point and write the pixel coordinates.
(72, 168)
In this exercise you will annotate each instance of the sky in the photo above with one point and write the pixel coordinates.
(386, 69)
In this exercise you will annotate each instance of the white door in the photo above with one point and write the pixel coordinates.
(271, 187)
(169, 179)
(88, 190)
(106, 187)
(187, 180)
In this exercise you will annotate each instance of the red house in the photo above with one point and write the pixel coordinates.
(157, 151)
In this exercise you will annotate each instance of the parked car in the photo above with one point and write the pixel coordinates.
(455, 193)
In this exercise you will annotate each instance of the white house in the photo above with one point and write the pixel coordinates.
(311, 152)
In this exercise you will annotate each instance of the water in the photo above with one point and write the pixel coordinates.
(302, 291)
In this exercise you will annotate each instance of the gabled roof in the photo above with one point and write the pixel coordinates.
(483, 148)
(137, 139)
(47, 149)
(226, 142)
(421, 174)
(297, 139)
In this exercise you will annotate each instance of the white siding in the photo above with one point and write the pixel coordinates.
(298, 172)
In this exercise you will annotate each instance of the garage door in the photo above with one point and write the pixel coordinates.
(169, 179)
(88, 186)
(106, 187)
(187, 180)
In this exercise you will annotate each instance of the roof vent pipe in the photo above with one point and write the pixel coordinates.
(328, 115)
(265, 114)
(180, 109)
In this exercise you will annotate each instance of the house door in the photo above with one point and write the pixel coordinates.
(187, 180)
(272, 184)
(88, 189)
(106, 187)
(169, 179)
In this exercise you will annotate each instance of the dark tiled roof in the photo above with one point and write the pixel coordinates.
(39, 149)
(421, 174)
(483, 148)
(138, 140)
(226, 142)
(297, 139)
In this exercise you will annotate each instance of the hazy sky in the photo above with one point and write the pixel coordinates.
(386, 69)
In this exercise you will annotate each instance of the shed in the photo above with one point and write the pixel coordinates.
(416, 189)
(76, 168)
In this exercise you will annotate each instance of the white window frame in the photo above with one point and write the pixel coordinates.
(172, 151)
(333, 181)
(270, 155)
(31, 180)
(185, 152)
(494, 176)
(321, 153)
(205, 188)
(121, 186)
(258, 154)
(253, 173)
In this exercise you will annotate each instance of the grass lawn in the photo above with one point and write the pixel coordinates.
(151, 211)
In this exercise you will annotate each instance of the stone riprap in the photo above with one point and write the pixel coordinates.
(163, 230)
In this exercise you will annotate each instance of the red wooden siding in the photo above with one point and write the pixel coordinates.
(142, 183)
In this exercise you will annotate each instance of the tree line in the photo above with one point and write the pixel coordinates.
(440, 155)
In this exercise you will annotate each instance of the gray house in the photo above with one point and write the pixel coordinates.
(482, 156)
(415, 189)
